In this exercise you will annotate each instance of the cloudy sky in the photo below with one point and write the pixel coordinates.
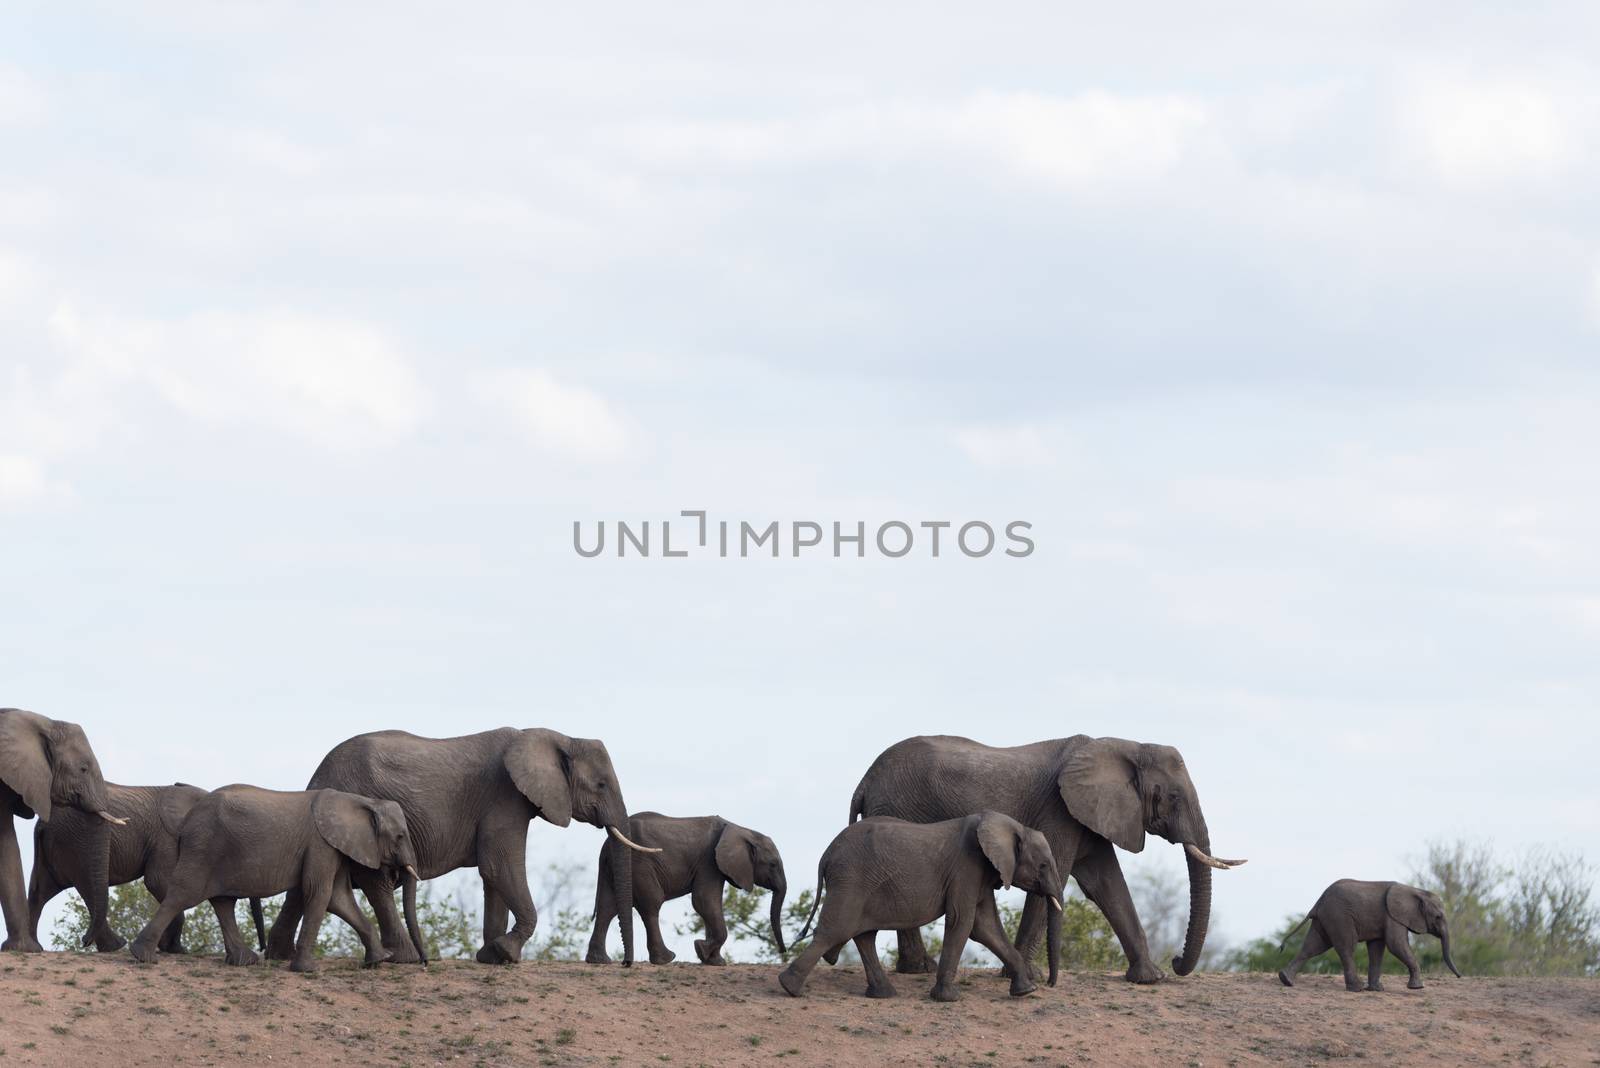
(318, 331)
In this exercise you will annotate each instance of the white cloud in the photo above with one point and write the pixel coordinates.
(1488, 132)
(23, 483)
(274, 151)
(1005, 446)
(22, 102)
(567, 419)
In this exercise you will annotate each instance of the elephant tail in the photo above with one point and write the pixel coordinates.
(816, 902)
(261, 923)
(1292, 930)
(858, 801)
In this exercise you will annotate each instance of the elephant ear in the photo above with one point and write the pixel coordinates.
(537, 763)
(345, 822)
(1404, 905)
(25, 759)
(998, 838)
(176, 801)
(1099, 783)
(734, 858)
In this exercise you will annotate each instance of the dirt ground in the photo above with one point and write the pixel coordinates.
(79, 1010)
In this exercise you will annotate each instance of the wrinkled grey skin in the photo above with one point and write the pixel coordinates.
(243, 841)
(468, 801)
(1084, 794)
(73, 849)
(698, 855)
(46, 766)
(887, 873)
(1381, 914)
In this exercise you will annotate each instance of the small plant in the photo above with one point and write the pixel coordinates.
(566, 1036)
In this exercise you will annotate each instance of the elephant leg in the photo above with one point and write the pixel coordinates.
(280, 941)
(342, 903)
(654, 943)
(958, 921)
(392, 928)
(316, 894)
(828, 936)
(237, 951)
(496, 916)
(1346, 948)
(878, 985)
(1374, 964)
(605, 910)
(13, 891)
(1399, 942)
(1316, 943)
(105, 939)
(172, 937)
(707, 901)
(42, 888)
(503, 863)
(187, 890)
(1100, 877)
(912, 958)
(989, 932)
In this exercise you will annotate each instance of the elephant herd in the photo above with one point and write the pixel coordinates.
(936, 825)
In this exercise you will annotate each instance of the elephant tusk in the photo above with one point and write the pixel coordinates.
(413, 873)
(109, 818)
(1209, 861)
(1056, 902)
(619, 836)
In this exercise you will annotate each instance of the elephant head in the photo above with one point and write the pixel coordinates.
(1121, 789)
(1022, 856)
(1421, 912)
(374, 834)
(750, 859)
(48, 762)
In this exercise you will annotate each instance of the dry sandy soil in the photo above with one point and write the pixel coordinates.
(67, 1009)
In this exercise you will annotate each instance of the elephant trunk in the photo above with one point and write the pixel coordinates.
(1199, 909)
(622, 890)
(780, 887)
(409, 899)
(98, 882)
(1053, 937)
(1444, 946)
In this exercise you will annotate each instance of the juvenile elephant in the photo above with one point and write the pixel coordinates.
(1378, 913)
(74, 850)
(887, 873)
(1085, 795)
(698, 854)
(243, 841)
(468, 801)
(45, 765)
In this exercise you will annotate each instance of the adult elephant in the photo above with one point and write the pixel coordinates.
(1085, 794)
(467, 802)
(44, 763)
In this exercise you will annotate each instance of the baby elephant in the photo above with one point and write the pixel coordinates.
(243, 841)
(698, 854)
(1377, 913)
(886, 874)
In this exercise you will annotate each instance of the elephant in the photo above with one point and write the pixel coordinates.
(698, 854)
(244, 841)
(888, 873)
(468, 801)
(46, 766)
(74, 849)
(1085, 795)
(1381, 914)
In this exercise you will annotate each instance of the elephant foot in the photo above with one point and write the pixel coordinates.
(143, 952)
(883, 990)
(666, 956)
(708, 953)
(1354, 988)
(1378, 987)
(1415, 984)
(112, 943)
(792, 984)
(1022, 987)
(940, 992)
(303, 964)
(1143, 972)
(372, 960)
(914, 967)
(598, 956)
(502, 950)
(1285, 978)
(241, 958)
(832, 956)
(21, 944)
(174, 948)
